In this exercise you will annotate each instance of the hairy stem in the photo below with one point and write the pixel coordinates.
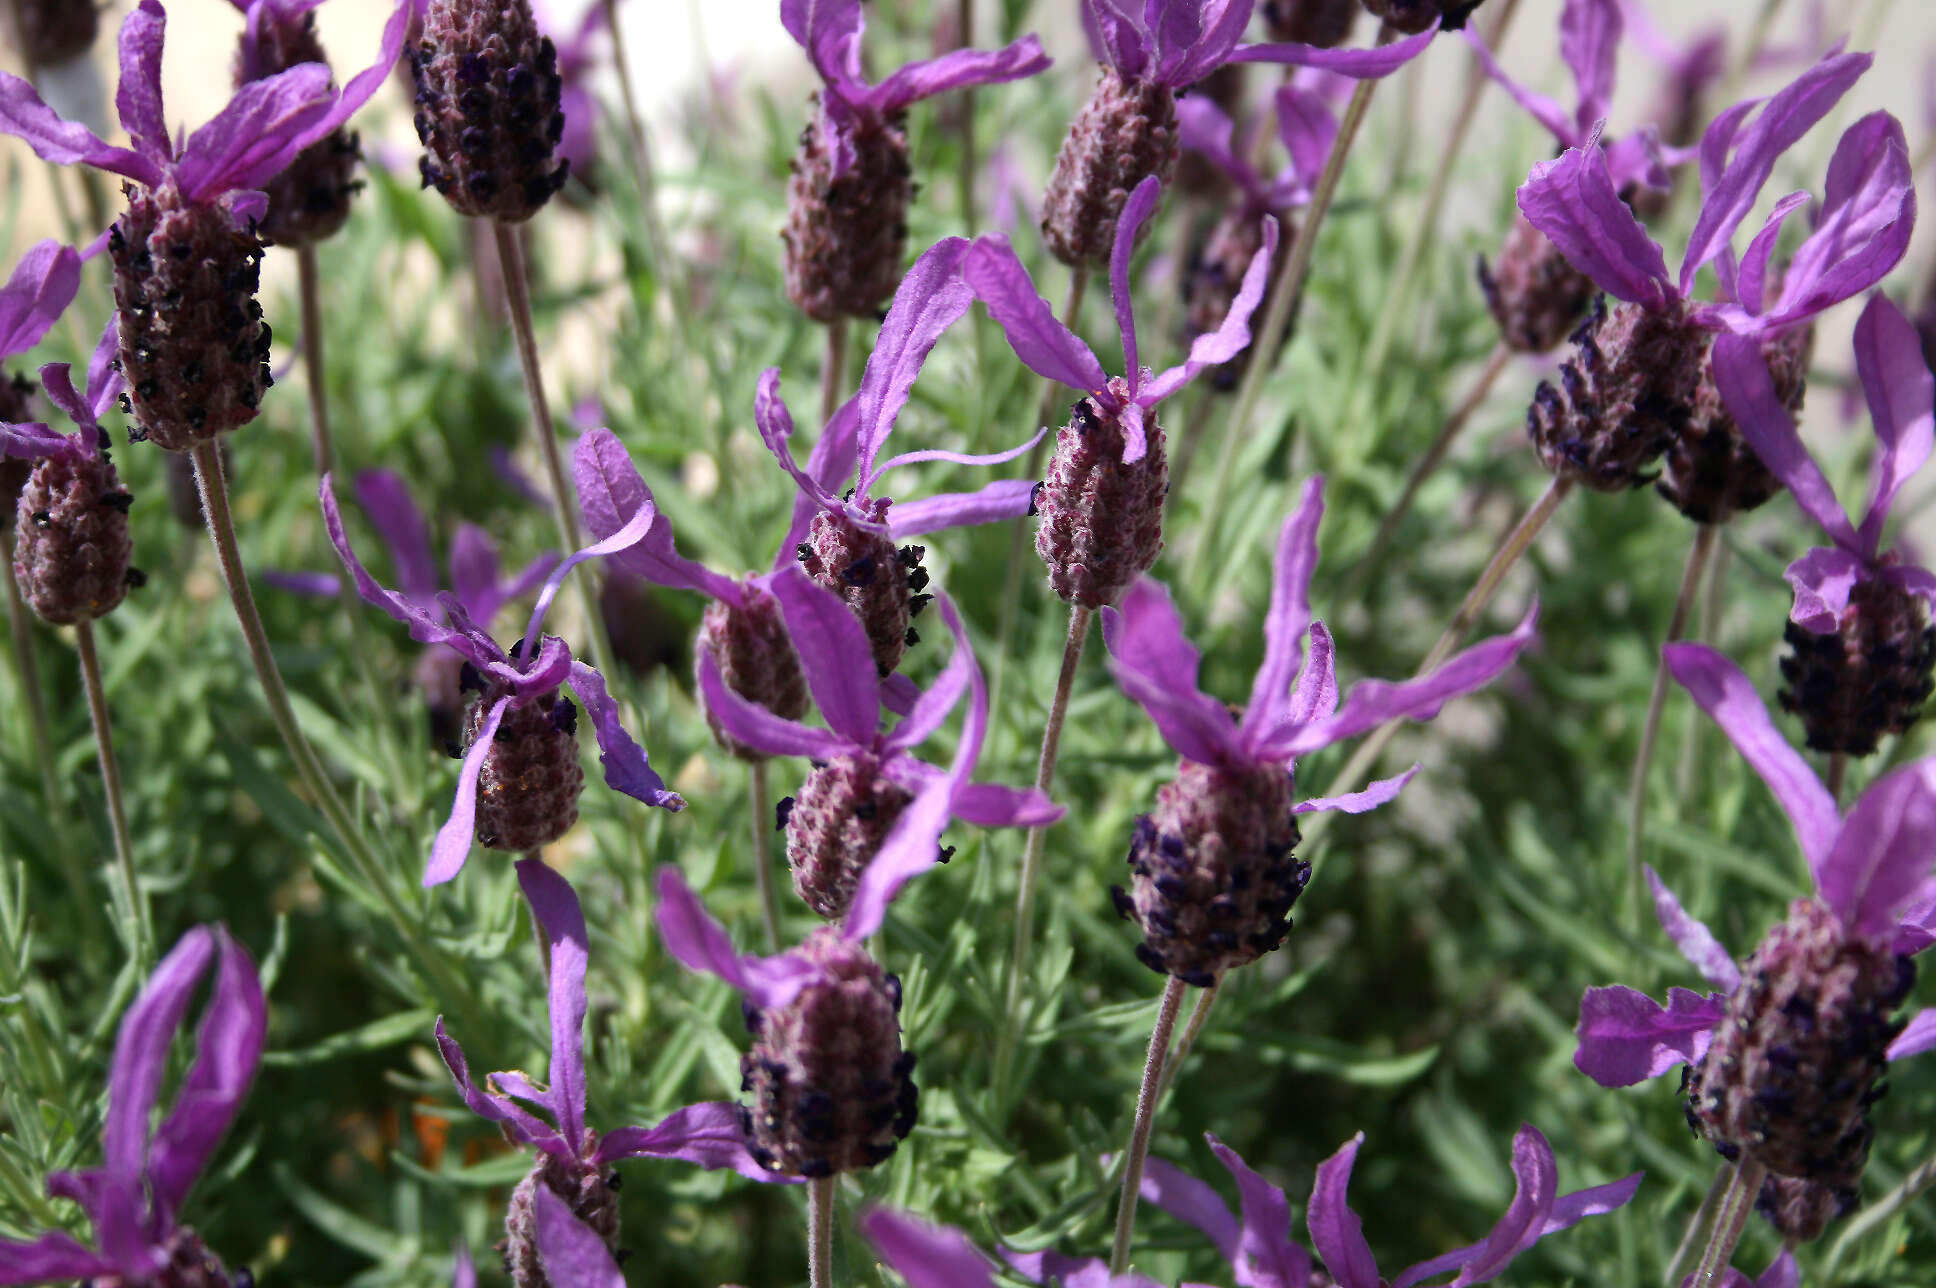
(97, 711)
(27, 667)
(1650, 731)
(759, 801)
(1729, 1221)
(312, 344)
(1874, 1216)
(1032, 849)
(820, 1231)
(1139, 1135)
(1697, 1228)
(1192, 1030)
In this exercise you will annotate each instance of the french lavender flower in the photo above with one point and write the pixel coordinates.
(476, 579)
(1257, 1244)
(518, 788)
(1629, 393)
(1862, 648)
(831, 1089)
(1215, 873)
(39, 290)
(186, 254)
(1102, 503)
(851, 543)
(574, 1168)
(72, 552)
(1534, 294)
(865, 779)
(929, 1256)
(488, 108)
(134, 1199)
(851, 183)
(1217, 271)
(1127, 132)
(1785, 1059)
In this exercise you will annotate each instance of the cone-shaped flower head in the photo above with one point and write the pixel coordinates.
(43, 284)
(1785, 1058)
(1256, 1240)
(1217, 271)
(848, 198)
(488, 114)
(194, 347)
(845, 829)
(135, 1196)
(518, 787)
(476, 579)
(574, 1164)
(1863, 648)
(1631, 388)
(1102, 503)
(830, 1088)
(1215, 875)
(72, 551)
(849, 546)
(1127, 133)
(310, 199)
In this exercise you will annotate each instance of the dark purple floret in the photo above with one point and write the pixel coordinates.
(1792, 1071)
(835, 827)
(1869, 677)
(829, 1088)
(1101, 520)
(72, 551)
(1712, 473)
(882, 585)
(1126, 133)
(846, 233)
(587, 1190)
(1534, 294)
(488, 93)
(310, 200)
(527, 791)
(756, 658)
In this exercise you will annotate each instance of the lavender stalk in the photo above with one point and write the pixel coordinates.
(1139, 1136)
(97, 710)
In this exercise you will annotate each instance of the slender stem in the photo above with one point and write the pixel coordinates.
(1697, 1228)
(312, 342)
(1018, 538)
(635, 126)
(1656, 704)
(517, 294)
(1874, 1216)
(1032, 849)
(1139, 1135)
(760, 801)
(1195, 427)
(97, 710)
(832, 371)
(820, 1231)
(1838, 769)
(1277, 316)
(1729, 1222)
(966, 13)
(1192, 1030)
(27, 664)
(1434, 456)
(1425, 224)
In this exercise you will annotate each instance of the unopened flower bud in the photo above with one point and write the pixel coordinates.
(756, 659)
(310, 200)
(488, 93)
(71, 549)
(1214, 871)
(836, 824)
(1216, 274)
(1102, 520)
(1868, 677)
(585, 1190)
(846, 236)
(1533, 293)
(1125, 133)
(880, 584)
(527, 790)
(1711, 473)
(831, 1090)
(1195, 174)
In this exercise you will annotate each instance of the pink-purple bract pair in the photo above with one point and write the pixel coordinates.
(134, 1198)
(37, 292)
(1214, 867)
(571, 1185)
(518, 786)
(1785, 1058)
(1862, 646)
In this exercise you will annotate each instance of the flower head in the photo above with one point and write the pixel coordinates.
(1176, 43)
(574, 1161)
(134, 1198)
(520, 693)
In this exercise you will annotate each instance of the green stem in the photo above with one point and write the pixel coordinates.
(642, 170)
(1139, 1135)
(1696, 1233)
(1650, 731)
(1875, 1215)
(833, 371)
(1009, 1036)
(310, 281)
(820, 1231)
(1732, 1218)
(97, 710)
(760, 802)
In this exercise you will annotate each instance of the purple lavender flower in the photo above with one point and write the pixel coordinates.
(194, 347)
(519, 783)
(930, 1256)
(850, 544)
(1259, 1249)
(1631, 390)
(848, 198)
(1862, 645)
(1784, 1059)
(574, 1163)
(43, 284)
(844, 828)
(134, 1199)
(1102, 503)
(1127, 132)
(1215, 873)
